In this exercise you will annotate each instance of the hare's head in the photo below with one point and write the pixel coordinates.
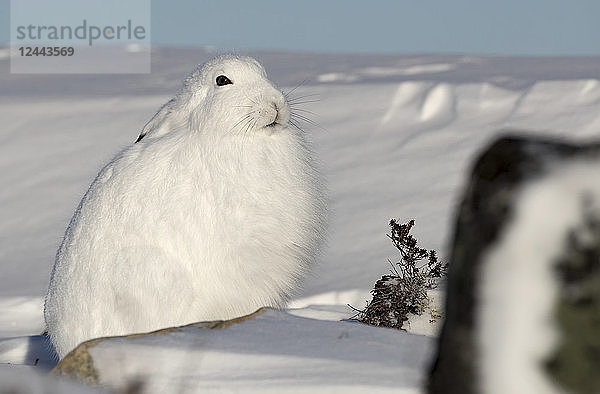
(227, 95)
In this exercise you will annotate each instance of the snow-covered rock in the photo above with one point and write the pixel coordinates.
(522, 288)
(268, 351)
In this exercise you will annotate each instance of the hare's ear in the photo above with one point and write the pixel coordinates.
(159, 124)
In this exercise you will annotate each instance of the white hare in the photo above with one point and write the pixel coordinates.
(215, 211)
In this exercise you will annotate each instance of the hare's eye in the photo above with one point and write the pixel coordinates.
(223, 80)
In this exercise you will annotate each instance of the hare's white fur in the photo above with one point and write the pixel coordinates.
(216, 211)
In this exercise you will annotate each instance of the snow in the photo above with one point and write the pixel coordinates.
(20, 316)
(518, 281)
(412, 70)
(360, 74)
(396, 137)
(15, 379)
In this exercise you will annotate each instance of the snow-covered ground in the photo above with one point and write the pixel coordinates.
(395, 134)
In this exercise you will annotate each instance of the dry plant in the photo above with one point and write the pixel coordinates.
(404, 291)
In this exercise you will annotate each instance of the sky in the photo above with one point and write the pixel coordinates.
(508, 27)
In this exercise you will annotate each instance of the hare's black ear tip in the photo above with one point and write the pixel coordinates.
(139, 138)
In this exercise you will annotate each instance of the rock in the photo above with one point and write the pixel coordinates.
(268, 351)
(79, 364)
(524, 200)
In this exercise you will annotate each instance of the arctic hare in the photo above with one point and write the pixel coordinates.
(215, 211)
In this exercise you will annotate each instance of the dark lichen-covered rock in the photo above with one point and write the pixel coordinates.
(576, 362)
(488, 202)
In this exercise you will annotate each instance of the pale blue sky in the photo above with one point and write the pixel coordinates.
(507, 27)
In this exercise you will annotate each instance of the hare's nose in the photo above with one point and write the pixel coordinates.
(276, 107)
(274, 114)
